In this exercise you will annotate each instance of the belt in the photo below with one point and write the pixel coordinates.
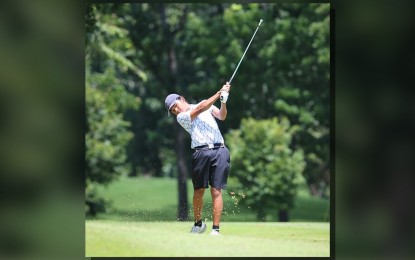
(210, 146)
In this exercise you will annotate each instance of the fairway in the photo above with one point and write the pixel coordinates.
(163, 238)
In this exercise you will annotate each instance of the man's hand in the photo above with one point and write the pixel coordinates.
(224, 92)
(224, 96)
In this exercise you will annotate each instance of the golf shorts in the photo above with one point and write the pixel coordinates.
(210, 167)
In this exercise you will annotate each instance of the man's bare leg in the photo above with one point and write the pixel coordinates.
(198, 203)
(217, 205)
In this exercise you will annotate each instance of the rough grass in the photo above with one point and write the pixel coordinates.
(116, 238)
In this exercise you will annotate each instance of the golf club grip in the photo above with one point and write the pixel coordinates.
(245, 51)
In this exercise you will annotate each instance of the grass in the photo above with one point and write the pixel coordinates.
(142, 222)
(155, 199)
(167, 239)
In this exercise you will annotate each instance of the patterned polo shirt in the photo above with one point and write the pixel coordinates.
(203, 130)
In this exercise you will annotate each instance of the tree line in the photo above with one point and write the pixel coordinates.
(138, 53)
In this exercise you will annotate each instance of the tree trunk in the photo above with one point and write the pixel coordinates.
(283, 215)
(183, 172)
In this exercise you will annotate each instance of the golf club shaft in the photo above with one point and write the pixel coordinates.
(245, 51)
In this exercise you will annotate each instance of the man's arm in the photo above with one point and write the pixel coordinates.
(206, 104)
(203, 106)
(220, 113)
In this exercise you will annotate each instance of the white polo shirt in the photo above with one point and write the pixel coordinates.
(203, 130)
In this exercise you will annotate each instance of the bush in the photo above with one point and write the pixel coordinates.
(265, 171)
(93, 203)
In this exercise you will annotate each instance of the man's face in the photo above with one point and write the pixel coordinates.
(178, 107)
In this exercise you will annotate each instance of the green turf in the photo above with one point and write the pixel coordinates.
(155, 199)
(120, 238)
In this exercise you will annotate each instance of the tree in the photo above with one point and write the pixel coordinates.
(107, 101)
(265, 170)
(107, 132)
(301, 48)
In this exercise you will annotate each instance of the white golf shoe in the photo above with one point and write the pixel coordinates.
(198, 230)
(215, 232)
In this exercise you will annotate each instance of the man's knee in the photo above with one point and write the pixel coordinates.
(215, 192)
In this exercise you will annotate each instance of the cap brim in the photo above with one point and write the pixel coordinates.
(168, 111)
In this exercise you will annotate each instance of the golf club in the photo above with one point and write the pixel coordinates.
(260, 21)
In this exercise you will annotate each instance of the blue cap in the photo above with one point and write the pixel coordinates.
(170, 101)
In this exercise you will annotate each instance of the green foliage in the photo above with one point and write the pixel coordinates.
(265, 171)
(106, 138)
(108, 42)
(107, 133)
(108, 100)
(94, 203)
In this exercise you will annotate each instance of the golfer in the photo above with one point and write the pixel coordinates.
(210, 160)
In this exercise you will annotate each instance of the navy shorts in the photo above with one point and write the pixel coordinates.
(210, 167)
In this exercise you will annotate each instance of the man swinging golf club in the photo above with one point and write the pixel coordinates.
(211, 159)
